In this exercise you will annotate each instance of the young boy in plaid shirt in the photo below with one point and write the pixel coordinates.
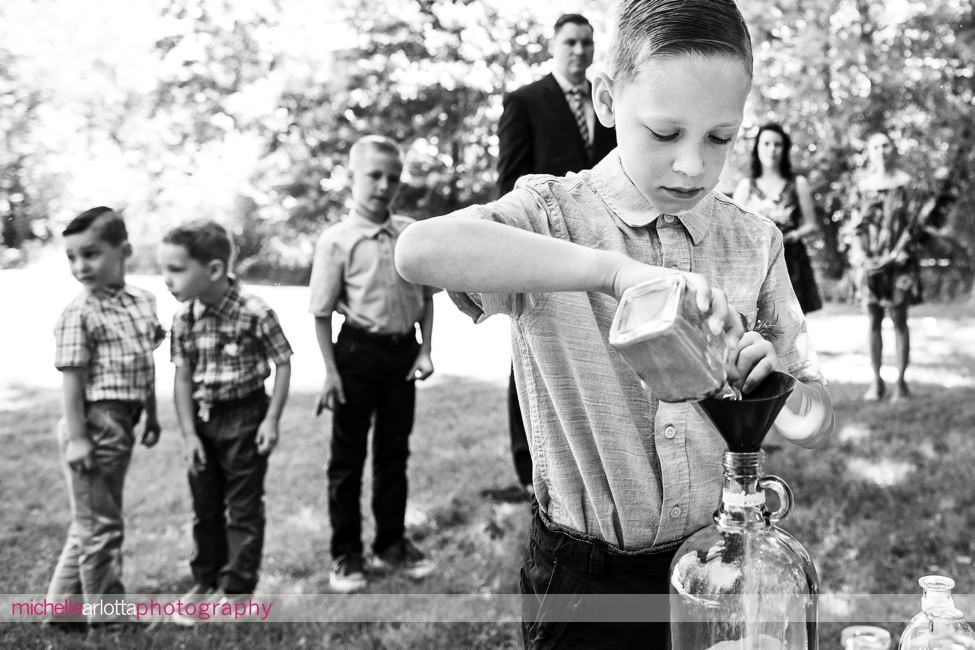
(105, 339)
(222, 340)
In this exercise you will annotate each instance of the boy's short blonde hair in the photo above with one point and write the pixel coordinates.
(375, 143)
(648, 28)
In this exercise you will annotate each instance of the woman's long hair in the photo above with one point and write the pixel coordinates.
(785, 161)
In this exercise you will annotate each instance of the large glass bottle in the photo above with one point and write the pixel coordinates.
(744, 583)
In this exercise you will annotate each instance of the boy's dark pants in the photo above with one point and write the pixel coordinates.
(228, 497)
(560, 570)
(91, 560)
(373, 369)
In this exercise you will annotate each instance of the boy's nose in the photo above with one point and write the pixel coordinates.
(689, 161)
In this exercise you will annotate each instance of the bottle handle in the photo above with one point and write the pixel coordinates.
(782, 491)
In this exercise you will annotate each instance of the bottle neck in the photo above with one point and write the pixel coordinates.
(936, 593)
(742, 500)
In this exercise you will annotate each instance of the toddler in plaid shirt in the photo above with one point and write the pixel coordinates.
(105, 339)
(222, 340)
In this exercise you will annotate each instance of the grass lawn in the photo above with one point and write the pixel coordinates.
(891, 501)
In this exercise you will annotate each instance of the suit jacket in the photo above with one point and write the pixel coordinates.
(538, 135)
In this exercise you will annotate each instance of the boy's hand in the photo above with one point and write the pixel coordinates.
(332, 393)
(196, 458)
(267, 436)
(422, 367)
(150, 435)
(78, 454)
(753, 360)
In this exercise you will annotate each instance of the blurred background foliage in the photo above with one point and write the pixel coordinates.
(244, 110)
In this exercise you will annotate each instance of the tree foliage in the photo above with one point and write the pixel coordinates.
(244, 110)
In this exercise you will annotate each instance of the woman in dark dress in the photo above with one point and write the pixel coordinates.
(774, 191)
(887, 221)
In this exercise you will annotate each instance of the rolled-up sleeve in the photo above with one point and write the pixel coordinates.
(524, 209)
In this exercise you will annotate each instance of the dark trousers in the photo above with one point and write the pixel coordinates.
(560, 570)
(91, 560)
(374, 378)
(520, 453)
(228, 497)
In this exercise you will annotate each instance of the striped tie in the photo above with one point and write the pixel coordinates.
(579, 112)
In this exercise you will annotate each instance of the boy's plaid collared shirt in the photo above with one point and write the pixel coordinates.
(228, 346)
(111, 333)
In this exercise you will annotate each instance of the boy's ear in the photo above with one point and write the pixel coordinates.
(126, 249)
(217, 269)
(602, 99)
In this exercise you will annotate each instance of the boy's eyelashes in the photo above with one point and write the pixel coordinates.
(670, 137)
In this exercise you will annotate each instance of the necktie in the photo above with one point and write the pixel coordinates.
(579, 112)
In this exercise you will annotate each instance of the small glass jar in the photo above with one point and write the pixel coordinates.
(935, 592)
(664, 336)
(944, 628)
(865, 637)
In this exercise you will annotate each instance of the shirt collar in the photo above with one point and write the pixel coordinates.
(615, 188)
(107, 293)
(224, 307)
(370, 228)
(567, 85)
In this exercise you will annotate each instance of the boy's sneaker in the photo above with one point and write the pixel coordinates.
(348, 574)
(197, 594)
(405, 557)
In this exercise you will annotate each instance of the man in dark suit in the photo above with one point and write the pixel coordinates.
(549, 127)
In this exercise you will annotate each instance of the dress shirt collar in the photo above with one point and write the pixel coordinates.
(622, 196)
(567, 85)
(224, 307)
(369, 228)
(107, 293)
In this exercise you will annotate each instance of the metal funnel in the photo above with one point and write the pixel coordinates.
(744, 423)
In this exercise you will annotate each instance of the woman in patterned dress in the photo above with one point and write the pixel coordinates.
(774, 191)
(887, 221)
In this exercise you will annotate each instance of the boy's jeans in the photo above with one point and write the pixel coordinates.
(228, 497)
(91, 561)
(373, 372)
(560, 570)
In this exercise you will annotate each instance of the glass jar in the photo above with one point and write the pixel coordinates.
(943, 628)
(865, 637)
(744, 582)
(935, 592)
(664, 336)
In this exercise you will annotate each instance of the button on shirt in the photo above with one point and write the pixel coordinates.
(228, 346)
(601, 469)
(353, 273)
(111, 333)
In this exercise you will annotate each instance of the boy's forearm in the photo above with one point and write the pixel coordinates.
(183, 398)
(323, 332)
(467, 254)
(426, 325)
(73, 402)
(279, 394)
(150, 404)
